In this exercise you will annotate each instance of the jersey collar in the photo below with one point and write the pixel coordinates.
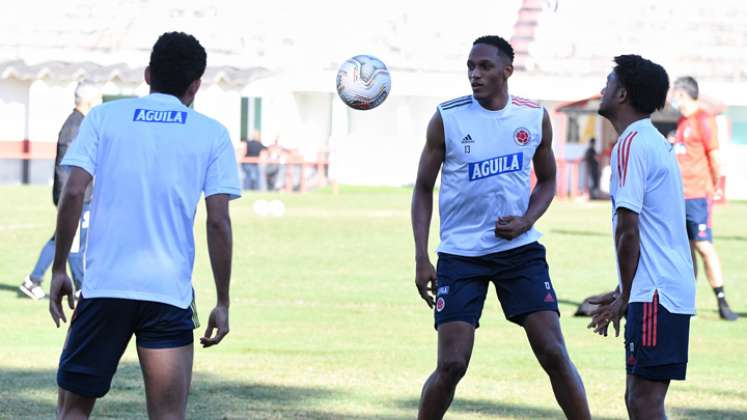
(634, 126)
(164, 98)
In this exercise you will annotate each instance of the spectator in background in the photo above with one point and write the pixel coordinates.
(275, 155)
(696, 147)
(592, 167)
(251, 169)
(87, 96)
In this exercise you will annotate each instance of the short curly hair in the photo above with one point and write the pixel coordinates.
(177, 60)
(647, 83)
(504, 48)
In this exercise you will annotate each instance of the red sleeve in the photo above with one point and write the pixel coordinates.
(707, 130)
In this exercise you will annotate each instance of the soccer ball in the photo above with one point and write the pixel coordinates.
(363, 82)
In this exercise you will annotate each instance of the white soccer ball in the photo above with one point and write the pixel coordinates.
(363, 82)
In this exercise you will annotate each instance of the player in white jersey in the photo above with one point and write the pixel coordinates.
(152, 157)
(656, 291)
(485, 145)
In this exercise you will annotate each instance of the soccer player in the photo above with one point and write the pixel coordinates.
(484, 145)
(696, 147)
(152, 158)
(656, 289)
(87, 96)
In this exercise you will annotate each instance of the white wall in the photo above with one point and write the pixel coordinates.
(14, 97)
(50, 103)
(383, 145)
(223, 103)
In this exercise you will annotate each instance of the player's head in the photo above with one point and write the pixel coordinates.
(87, 96)
(592, 141)
(684, 91)
(634, 84)
(177, 62)
(489, 65)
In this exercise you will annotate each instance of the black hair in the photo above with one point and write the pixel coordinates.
(504, 48)
(177, 60)
(688, 85)
(647, 83)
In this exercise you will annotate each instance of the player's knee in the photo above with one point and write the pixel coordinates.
(553, 357)
(643, 404)
(451, 371)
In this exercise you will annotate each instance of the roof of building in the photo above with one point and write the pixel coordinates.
(580, 37)
(65, 71)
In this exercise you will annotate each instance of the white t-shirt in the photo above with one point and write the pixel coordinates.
(646, 179)
(152, 158)
(486, 173)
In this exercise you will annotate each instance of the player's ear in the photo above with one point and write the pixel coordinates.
(508, 70)
(194, 87)
(146, 74)
(622, 94)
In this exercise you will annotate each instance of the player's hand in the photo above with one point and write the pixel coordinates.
(60, 286)
(603, 299)
(218, 321)
(612, 312)
(509, 227)
(425, 281)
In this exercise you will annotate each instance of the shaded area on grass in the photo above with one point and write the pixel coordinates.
(33, 394)
(498, 409)
(707, 413)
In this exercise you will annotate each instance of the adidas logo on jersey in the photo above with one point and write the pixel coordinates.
(148, 115)
(495, 166)
(467, 139)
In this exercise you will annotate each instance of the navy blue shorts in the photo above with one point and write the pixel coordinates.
(100, 330)
(698, 219)
(656, 342)
(520, 276)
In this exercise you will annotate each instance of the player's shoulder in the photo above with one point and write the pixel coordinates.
(520, 102)
(205, 122)
(456, 103)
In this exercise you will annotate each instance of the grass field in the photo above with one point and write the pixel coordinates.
(326, 322)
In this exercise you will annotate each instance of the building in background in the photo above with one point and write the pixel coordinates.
(272, 66)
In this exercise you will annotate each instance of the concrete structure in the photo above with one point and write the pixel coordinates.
(272, 67)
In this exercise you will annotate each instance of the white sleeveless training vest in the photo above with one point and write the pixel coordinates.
(486, 173)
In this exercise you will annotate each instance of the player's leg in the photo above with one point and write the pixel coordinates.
(656, 347)
(546, 339)
(455, 341)
(528, 299)
(645, 398)
(99, 332)
(31, 285)
(165, 347)
(71, 406)
(167, 373)
(462, 287)
(703, 243)
(76, 259)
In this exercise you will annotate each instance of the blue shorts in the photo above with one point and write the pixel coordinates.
(100, 330)
(520, 276)
(656, 342)
(698, 219)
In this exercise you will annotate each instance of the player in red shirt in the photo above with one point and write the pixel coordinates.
(696, 147)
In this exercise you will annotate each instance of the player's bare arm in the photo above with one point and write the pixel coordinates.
(628, 248)
(509, 227)
(220, 248)
(422, 206)
(68, 215)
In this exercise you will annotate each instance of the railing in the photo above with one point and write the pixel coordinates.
(27, 151)
(304, 166)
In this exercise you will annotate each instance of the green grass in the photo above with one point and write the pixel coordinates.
(326, 322)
